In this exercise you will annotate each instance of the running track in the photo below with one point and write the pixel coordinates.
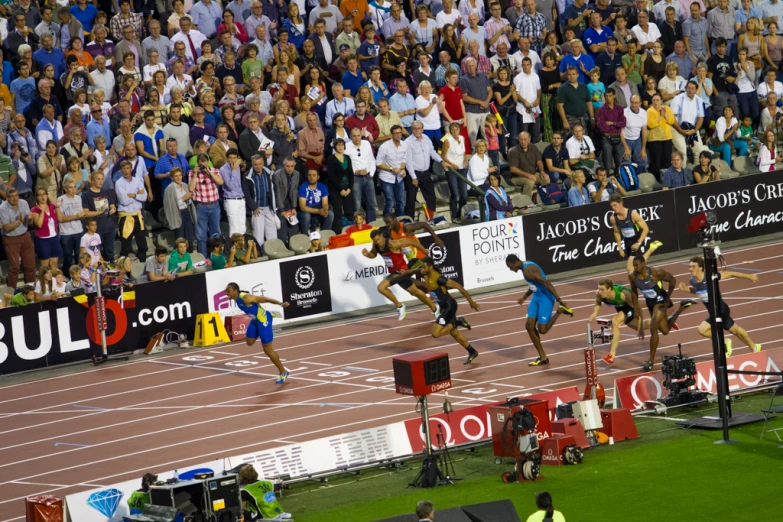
(169, 412)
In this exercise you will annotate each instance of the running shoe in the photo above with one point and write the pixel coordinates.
(282, 377)
(608, 359)
(675, 327)
(727, 344)
(472, 354)
(757, 349)
(465, 324)
(539, 362)
(401, 311)
(565, 310)
(686, 303)
(655, 245)
(648, 367)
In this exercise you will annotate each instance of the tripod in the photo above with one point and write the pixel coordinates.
(430, 474)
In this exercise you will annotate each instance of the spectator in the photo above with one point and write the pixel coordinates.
(101, 46)
(669, 25)
(479, 167)
(390, 162)
(578, 194)
(526, 165)
(418, 162)
(15, 217)
(425, 511)
(403, 103)
(363, 161)
(69, 215)
(200, 130)
(90, 243)
(314, 204)
(180, 262)
(75, 282)
(149, 143)
(169, 161)
(243, 254)
(43, 217)
(633, 62)
(310, 143)
(156, 267)
(51, 168)
(178, 130)
(100, 204)
(768, 159)
(498, 204)
(581, 151)
(721, 71)
(746, 83)
(676, 175)
(575, 16)
(573, 101)
(339, 105)
(770, 116)
(476, 95)
(608, 62)
(218, 151)
(603, 187)
(689, 113)
(23, 136)
(545, 510)
(283, 138)
(204, 183)
(705, 171)
(672, 84)
(217, 256)
(156, 42)
(647, 33)
(359, 223)
(770, 85)
(286, 189)
(727, 139)
(59, 283)
(187, 35)
(138, 169)
(610, 119)
(528, 96)
(623, 89)
(721, 24)
(24, 178)
(659, 138)
(634, 135)
(70, 27)
(131, 195)
(340, 181)
(454, 157)
(260, 201)
(233, 197)
(98, 125)
(23, 298)
(364, 121)
(582, 63)
(178, 205)
(685, 63)
(78, 149)
(48, 54)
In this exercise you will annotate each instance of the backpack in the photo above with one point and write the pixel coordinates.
(627, 176)
(226, 241)
(550, 194)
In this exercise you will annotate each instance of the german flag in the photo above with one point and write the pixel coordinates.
(82, 300)
(128, 299)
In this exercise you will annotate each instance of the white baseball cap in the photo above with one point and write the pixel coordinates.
(315, 235)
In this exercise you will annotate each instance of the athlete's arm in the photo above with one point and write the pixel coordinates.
(685, 288)
(597, 308)
(453, 284)
(533, 273)
(727, 274)
(642, 224)
(257, 299)
(400, 243)
(372, 253)
(411, 228)
(637, 310)
(663, 275)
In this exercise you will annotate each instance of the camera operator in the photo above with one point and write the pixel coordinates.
(771, 117)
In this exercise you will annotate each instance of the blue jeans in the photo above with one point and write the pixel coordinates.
(725, 149)
(458, 191)
(316, 220)
(107, 244)
(434, 135)
(70, 244)
(395, 197)
(749, 106)
(208, 223)
(364, 186)
(636, 151)
(511, 119)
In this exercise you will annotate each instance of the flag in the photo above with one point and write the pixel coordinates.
(82, 300)
(128, 299)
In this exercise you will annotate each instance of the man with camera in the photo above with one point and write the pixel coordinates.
(771, 117)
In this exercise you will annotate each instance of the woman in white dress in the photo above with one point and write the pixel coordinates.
(453, 154)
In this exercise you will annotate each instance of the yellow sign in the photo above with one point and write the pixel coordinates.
(209, 330)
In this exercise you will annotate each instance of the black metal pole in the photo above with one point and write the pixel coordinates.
(718, 342)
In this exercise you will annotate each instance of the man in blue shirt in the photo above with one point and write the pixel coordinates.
(596, 36)
(583, 62)
(168, 162)
(577, 15)
(608, 61)
(48, 54)
(314, 204)
(23, 88)
(85, 13)
(206, 15)
(352, 79)
(98, 126)
(676, 176)
(403, 104)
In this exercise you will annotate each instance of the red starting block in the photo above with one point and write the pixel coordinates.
(572, 427)
(619, 424)
(236, 326)
(553, 447)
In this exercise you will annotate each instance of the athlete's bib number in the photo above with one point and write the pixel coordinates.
(650, 293)
(704, 296)
(389, 262)
(628, 232)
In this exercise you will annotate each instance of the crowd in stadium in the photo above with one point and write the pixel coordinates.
(263, 119)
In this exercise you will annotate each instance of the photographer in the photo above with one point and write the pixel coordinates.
(74, 78)
(24, 177)
(770, 117)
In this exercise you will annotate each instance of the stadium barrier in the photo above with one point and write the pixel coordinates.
(343, 280)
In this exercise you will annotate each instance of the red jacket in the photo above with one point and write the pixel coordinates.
(368, 123)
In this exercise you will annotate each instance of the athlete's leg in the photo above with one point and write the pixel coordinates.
(705, 330)
(249, 341)
(617, 321)
(416, 292)
(655, 245)
(743, 336)
(457, 335)
(544, 328)
(384, 288)
(657, 324)
(439, 330)
(270, 352)
(530, 326)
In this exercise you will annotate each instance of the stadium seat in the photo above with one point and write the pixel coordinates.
(299, 243)
(771, 411)
(380, 202)
(378, 223)
(541, 145)
(276, 249)
(137, 268)
(259, 259)
(325, 235)
(197, 257)
(726, 171)
(470, 206)
(744, 166)
(224, 229)
(647, 182)
(521, 200)
(166, 239)
(509, 188)
(150, 222)
(442, 194)
(162, 218)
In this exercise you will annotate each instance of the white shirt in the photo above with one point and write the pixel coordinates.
(634, 123)
(687, 109)
(44, 135)
(432, 120)
(456, 152)
(173, 82)
(665, 85)
(591, 188)
(149, 70)
(420, 154)
(196, 36)
(393, 156)
(763, 89)
(721, 128)
(576, 148)
(362, 157)
(650, 36)
(104, 81)
(766, 162)
(659, 11)
(454, 19)
(478, 169)
(528, 86)
(534, 58)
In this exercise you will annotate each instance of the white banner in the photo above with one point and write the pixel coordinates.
(484, 249)
(258, 278)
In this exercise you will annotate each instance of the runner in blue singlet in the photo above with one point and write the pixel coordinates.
(260, 323)
(539, 312)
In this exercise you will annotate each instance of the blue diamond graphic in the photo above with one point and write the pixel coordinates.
(106, 501)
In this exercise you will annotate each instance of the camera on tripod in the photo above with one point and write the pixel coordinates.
(703, 226)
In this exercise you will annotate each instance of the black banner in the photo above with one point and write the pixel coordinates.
(581, 237)
(448, 259)
(305, 284)
(746, 207)
(65, 331)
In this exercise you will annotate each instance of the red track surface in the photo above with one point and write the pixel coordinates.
(168, 412)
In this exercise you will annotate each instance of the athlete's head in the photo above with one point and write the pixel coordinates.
(427, 265)
(639, 264)
(696, 266)
(605, 287)
(378, 237)
(232, 290)
(616, 202)
(391, 220)
(513, 263)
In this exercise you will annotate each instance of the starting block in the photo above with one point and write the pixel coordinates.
(210, 330)
(553, 448)
(572, 427)
(619, 424)
(236, 325)
(605, 335)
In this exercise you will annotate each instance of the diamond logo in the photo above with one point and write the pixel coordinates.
(106, 501)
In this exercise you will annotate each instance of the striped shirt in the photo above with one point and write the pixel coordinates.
(475, 87)
(493, 27)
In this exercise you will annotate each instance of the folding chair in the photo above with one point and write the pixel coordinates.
(771, 410)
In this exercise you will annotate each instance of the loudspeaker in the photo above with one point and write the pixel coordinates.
(499, 511)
